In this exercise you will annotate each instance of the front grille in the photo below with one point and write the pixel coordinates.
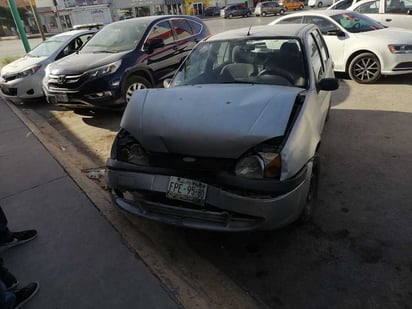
(191, 163)
(65, 82)
(158, 204)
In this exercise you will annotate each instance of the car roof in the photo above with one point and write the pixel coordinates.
(74, 32)
(150, 19)
(281, 30)
(357, 3)
(317, 13)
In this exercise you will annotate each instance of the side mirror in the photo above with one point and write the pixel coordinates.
(328, 84)
(337, 32)
(166, 82)
(154, 44)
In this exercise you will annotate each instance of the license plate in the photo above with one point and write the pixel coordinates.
(187, 190)
(61, 98)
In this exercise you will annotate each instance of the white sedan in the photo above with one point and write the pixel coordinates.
(21, 80)
(390, 13)
(360, 46)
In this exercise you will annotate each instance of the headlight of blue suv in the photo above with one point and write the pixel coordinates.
(106, 69)
(29, 71)
(400, 48)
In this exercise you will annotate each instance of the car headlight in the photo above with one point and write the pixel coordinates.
(400, 48)
(127, 149)
(259, 166)
(106, 69)
(29, 71)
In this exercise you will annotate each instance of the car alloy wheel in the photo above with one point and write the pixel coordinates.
(230, 15)
(134, 83)
(320, 4)
(282, 12)
(365, 68)
(263, 14)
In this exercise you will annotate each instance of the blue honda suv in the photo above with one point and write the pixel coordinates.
(121, 58)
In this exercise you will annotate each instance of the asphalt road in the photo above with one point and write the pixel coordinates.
(357, 253)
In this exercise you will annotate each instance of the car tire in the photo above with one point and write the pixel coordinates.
(301, 7)
(248, 14)
(230, 16)
(281, 12)
(263, 14)
(312, 196)
(365, 68)
(134, 83)
(320, 4)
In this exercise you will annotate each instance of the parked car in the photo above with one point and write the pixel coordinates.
(319, 3)
(269, 8)
(125, 56)
(241, 124)
(292, 5)
(21, 80)
(235, 10)
(212, 11)
(342, 4)
(390, 13)
(360, 46)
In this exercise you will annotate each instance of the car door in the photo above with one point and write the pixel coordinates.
(322, 67)
(397, 13)
(163, 57)
(336, 44)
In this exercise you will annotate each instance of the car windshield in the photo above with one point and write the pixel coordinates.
(355, 22)
(273, 61)
(116, 37)
(49, 46)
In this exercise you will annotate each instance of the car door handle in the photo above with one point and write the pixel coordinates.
(388, 19)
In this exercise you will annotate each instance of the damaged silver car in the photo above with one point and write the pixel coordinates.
(231, 143)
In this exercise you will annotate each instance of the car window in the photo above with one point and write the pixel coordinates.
(316, 60)
(370, 7)
(397, 6)
(322, 47)
(323, 24)
(49, 46)
(343, 5)
(74, 45)
(277, 61)
(116, 37)
(182, 28)
(354, 22)
(196, 27)
(161, 30)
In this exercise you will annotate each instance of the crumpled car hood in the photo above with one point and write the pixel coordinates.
(220, 121)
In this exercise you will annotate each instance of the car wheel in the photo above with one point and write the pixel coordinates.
(320, 4)
(281, 12)
(134, 83)
(365, 68)
(230, 16)
(248, 14)
(312, 196)
(301, 7)
(263, 14)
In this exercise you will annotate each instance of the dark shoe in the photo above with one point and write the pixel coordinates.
(23, 295)
(19, 238)
(8, 279)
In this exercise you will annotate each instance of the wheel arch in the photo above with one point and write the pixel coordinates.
(141, 72)
(356, 53)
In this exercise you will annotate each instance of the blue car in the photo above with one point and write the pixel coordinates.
(123, 57)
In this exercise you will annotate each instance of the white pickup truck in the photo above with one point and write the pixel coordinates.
(390, 13)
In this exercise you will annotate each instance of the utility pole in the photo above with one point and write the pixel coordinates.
(36, 18)
(19, 25)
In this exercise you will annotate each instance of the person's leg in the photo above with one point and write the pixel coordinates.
(10, 239)
(7, 298)
(8, 278)
(5, 234)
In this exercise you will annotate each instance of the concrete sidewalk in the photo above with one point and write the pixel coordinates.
(78, 257)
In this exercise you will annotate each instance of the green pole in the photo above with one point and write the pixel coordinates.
(19, 25)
